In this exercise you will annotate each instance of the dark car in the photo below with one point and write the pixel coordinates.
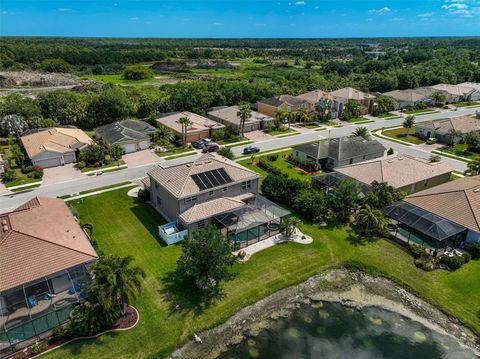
(210, 147)
(250, 149)
(200, 143)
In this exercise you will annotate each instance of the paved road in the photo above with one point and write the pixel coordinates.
(135, 173)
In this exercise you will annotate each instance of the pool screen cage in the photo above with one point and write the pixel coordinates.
(258, 220)
(424, 222)
(331, 180)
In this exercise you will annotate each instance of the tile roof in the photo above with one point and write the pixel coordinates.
(457, 201)
(199, 123)
(464, 124)
(229, 114)
(314, 96)
(341, 148)
(212, 208)
(349, 93)
(456, 90)
(278, 101)
(124, 132)
(407, 95)
(177, 179)
(474, 85)
(39, 238)
(398, 171)
(56, 139)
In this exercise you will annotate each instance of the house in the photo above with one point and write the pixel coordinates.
(444, 216)
(129, 134)
(474, 85)
(441, 129)
(403, 172)
(314, 97)
(55, 146)
(287, 103)
(228, 116)
(346, 94)
(410, 97)
(339, 152)
(211, 190)
(45, 257)
(456, 93)
(201, 127)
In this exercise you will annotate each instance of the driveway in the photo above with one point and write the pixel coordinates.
(140, 158)
(257, 136)
(429, 148)
(61, 174)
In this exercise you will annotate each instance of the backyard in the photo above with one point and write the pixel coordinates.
(401, 134)
(170, 314)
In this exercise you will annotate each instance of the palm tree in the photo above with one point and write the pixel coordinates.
(452, 135)
(288, 225)
(164, 135)
(323, 106)
(185, 122)
(361, 132)
(244, 113)
(301, 115)
(409, 123)
(438, 98)
(473, 168)
(116, 281)
(372, 219)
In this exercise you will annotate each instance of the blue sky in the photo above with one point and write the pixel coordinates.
(240, 18)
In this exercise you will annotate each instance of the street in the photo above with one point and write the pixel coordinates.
(10, 201)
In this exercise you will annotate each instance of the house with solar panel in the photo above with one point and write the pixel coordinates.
(212, 190)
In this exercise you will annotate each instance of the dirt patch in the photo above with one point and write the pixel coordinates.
(37, 79)
(352, 289)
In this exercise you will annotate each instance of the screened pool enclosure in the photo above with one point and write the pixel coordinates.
(30, 310)
(258, 220)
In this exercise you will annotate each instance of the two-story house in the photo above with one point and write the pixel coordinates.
(210, 190)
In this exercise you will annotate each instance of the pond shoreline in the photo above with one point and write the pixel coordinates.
(352, 289)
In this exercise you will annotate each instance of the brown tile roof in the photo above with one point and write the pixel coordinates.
(178, 181)
(314, 96)
(456, 90)
(229, 114)
(464, 124)
(457, 201)
(398, 171)
(57, 139)
(39, 238)
(211, 208)
(349, 93)
(199, 123)
(407, 95)
(278, 101)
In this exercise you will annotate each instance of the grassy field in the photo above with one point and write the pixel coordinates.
(118, 79)
(169, 315)
(460, 150)
(401, 134)
(467, 104)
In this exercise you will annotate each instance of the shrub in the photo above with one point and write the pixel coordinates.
(81, 165)
(435, 158)
(241, 254)
(475, 251)
(273, 157)
(417, 251)
(108, 159)
(390, 151)
(218, 135)
(453, 263)
(9, 176)
(86, 320)
(137, 72)
(27, 169)
(263, 163)
(143, 195)
(39, 347)
(58, 332)
(294, 159)
(426, 264)
(226, 152)
(467, 257)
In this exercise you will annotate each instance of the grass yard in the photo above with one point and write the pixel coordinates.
(460, 150)
(357, 119)
(231, 140)
(281, 132)
(113, 164)
(467, 104)
(420, 112)
(169, 315)
(401, 134)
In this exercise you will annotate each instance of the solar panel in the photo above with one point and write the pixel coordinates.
(210, 179)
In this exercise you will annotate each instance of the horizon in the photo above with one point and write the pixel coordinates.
(234, 19)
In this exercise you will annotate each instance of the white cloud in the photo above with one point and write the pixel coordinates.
(459, 8)
(3, 13)
(135, 18)
(217, 23)
(382, 11)
(455, 5)
(398, 19)
(64, 9)
(426, 14)
(317, 7)
(299, 2)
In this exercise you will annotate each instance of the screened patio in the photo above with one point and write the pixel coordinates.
(328, 181)
(31, 309)
(260, 219)
(416, 225)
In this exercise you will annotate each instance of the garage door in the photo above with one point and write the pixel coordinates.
(129, 148)
(144, 145)
(51, 162)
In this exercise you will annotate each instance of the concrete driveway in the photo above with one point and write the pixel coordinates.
(61, 174)
(140, 158)
(257, 136)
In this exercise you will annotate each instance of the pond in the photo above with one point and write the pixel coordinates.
(328, 330)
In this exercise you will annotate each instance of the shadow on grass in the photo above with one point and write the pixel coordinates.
(77, 348)
(149, 218)
(356, 239)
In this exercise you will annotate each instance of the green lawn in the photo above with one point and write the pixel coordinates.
(467, 104)
(420, 112)
(169, 315)
(401, 134)
(232, 140)
(357, 119)
(113, 164)
(284, 132)
(460, 150)
(118, 79)
(22, 178)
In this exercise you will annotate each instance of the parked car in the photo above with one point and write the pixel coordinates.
(198, 144)
(210, 147)
(431, 140)
(250, 149)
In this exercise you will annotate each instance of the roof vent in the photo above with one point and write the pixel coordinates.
(5, 228)
(4, 222)
(476, 190)
(189, 165)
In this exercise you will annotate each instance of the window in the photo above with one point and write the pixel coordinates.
(224, 189)
(159, 201)
(191, 199)
(210, 193)
(246, 185)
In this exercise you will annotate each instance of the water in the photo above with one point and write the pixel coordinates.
(331, 331)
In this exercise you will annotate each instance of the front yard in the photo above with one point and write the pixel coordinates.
(401, 134)
(460, 150)
(170, 313)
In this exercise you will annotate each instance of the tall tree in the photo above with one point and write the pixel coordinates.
(381, 194)
(453, 134)
(372, 220)
(438, 98)
(185, 122)
(244, 113)
(345, 198)
(409, 123)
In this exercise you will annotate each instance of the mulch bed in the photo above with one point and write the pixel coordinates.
(306, 170)
(125, 322)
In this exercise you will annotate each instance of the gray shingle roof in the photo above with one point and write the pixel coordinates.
(123, 132)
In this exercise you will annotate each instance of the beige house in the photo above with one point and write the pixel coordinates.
(201, 127)
(440, 129)
(55, 146)
(45, 256)
(287, 103)
(410, 97)
(315, 96)
(228, 116)
(456, 93)
(404, 172)
(346, 94)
